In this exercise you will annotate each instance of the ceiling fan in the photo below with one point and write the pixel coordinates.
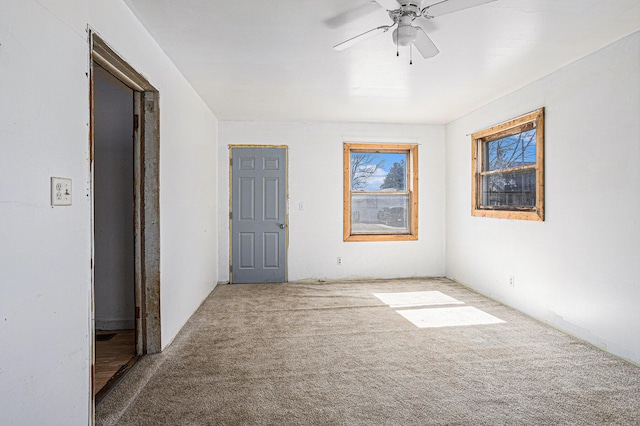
(404, 15)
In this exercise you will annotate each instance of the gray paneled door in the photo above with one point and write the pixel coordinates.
(258, 215)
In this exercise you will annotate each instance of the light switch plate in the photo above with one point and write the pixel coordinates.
(60, 191)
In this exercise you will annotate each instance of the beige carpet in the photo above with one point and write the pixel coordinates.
(337, 354)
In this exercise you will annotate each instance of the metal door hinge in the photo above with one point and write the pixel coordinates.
(136, 121)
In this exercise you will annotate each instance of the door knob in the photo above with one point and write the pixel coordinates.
(282, 226)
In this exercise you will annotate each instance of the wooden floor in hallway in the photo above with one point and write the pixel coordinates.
(115, 353)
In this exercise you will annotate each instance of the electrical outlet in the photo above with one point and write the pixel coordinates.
(511, 280)
(60, 191)
(339, 261)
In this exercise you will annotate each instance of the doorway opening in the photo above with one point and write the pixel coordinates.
(124, 150)
(114, 228)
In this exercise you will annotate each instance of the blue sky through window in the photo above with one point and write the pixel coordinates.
(511, 151)
(375, 180)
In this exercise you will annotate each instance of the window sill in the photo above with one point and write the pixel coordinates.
(365, 237)
(510, 214)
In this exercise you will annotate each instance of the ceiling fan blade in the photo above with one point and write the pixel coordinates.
(352, 14)
(389, 4)
(426, 25)
(442, 7)
(425, 46)
(361, 37)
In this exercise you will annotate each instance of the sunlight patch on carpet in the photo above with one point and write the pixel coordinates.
(448, 317)
(416, 298)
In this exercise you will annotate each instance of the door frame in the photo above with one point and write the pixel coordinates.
(286, 219)
(146, 196)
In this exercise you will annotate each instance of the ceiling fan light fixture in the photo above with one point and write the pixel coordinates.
(405, 35)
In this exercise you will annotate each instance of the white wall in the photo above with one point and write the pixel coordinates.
(579, 270)
(315, 179)
(45, 254)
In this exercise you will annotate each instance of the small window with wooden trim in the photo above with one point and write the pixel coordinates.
(508, 169)
(380, 192)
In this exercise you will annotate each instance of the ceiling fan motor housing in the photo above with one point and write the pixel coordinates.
(406, 33)
(408, 11)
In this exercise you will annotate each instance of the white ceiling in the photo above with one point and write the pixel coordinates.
(273, 60)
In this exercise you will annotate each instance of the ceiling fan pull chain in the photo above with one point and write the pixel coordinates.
(411, 54)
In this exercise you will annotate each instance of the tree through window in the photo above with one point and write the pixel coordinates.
(380, 192)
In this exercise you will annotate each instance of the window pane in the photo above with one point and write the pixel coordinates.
(379, 213)
(514, 189)
(512, 151)
(374, 171)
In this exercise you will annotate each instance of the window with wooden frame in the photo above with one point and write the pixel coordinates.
(380, 192)
(508, 169)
